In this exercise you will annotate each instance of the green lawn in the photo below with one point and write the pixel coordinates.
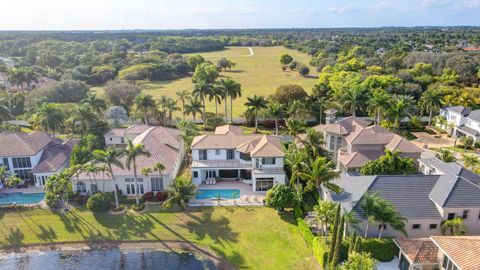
(259, 74)
(249, 237)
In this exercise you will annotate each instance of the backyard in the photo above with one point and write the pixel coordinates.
(271, 242)
(259, 74)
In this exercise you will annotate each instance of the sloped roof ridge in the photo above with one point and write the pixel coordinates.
(366, 190)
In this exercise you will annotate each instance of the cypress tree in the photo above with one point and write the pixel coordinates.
(338, 244)
(334, 233)
(358, 245)
(353, 241)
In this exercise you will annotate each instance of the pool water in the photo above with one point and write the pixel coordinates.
(206, 194)
(21, 198)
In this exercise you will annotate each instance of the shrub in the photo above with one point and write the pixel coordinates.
(81, 199)
(161, 196)
(279, 197)
(147, 197)
(305, 231)
(119, 208)
(297, 211)
(99, 202)
(382, 250)
(139, 207)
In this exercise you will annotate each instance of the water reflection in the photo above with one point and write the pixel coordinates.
(104, 259)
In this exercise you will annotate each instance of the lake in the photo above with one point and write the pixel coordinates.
(105, 259)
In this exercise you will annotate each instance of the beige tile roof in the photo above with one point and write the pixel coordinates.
(131, 130)
(229, 129)
(164, 145)
(370, 135)
(357, 159)
(343, 126)
(23, 144)
(398, 143)
(464, 251)
(418, 250)
(257, 145)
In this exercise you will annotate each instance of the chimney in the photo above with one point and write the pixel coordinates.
(330, 116)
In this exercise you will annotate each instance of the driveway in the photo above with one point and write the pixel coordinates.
(393, 265)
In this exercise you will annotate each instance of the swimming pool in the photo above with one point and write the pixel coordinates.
(21, 198)
(205, 194)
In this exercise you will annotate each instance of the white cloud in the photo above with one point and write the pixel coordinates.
(342, 9)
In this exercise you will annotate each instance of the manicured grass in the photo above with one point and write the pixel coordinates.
(459, 150)
(259, 74)
(248, 237)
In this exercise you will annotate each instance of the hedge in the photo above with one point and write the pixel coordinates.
(305, 231)
(320, 250)
(297, 211)
(382, 250)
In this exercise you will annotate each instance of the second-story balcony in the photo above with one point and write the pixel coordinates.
(230, 164)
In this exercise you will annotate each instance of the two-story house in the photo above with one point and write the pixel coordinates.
(465, 121)
(230, 155)
(352, 142)
(425, 200)
(33, 157)
(164, 145)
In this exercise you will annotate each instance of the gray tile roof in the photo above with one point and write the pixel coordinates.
(14, 144)
(468, 130)
(353, 188)
(475, 115)
(458, 109)
(54, 156)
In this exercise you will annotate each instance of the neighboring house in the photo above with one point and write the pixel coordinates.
(439, 252)
(352, 142)
(228, 154)
(425, 200)
(165, 147)
(465, 121)
(34, 156)
(41, 82)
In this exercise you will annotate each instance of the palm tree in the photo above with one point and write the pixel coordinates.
(171, 107)
(144, 102)
(378, 104)
(111, 157)
(319, 103)
(146, 171)
(163, 103)
(295, 127)
(193, 107)
(349, 220)
(400, 107)
(12, 181)
(386, 214)
(320, 172)
(256, 103)
(455, 226)
(202, 90)
(430, 101)
(353, 99)
(216, 94)
(233, 90)
(48, 116)
(91, 169)
(3, 174)
(132, 152)
(180, 192)
(324, 214)
(159, 167)
(229, 88)
(58, 186)
(369, 206)
(445, 155)
(97, 104)
(84, 114)
(276, 111)
(182, 96)
(294, 159)
(313, 142)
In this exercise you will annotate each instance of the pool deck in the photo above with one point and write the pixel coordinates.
(247, 196)
(27, 190)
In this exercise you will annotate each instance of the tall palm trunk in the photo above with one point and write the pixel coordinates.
(430, 118)
(378, 116)
(216, 107)
(203, 109)
(276, 127)
(183, 109)
(366, 230)
(226, 109)
(381, 231)
(145, 116)
(137, 201)
(231, 109)
(256, 121)
(193, 116)
(320, 116)
(114, 185)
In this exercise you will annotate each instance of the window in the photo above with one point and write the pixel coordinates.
(195, 174)
(6, 164)
(465, 214)
(245, 157)
(23, 162)
(384, 227)
(23, 174)
(211, 174)
(268, 161)
(217, 152)
(202, 154)
(448, 264)
(230, 154)
(122, 140)
(416, 226)
(339, 142)
(264, 184)
(94, 188)
(81, 187)
(157, 183)
(110, 138)
(433, 226)
(478, 215)
(451, 216)
(332, 143)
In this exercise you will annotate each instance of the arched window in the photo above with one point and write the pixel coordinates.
(81, 187)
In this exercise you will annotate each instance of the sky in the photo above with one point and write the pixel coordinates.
(210, 14)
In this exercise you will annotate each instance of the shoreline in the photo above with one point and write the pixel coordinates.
(171, 245)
